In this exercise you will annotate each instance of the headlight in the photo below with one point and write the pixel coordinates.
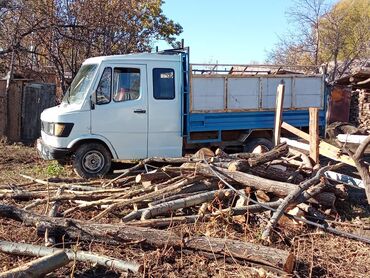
(57, 129)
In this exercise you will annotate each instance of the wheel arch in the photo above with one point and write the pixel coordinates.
(76, 143)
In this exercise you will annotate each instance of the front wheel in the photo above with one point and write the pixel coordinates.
(92, 160)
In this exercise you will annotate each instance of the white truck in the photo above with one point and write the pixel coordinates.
(130, 107)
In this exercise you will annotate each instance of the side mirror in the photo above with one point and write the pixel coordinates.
(92, 101)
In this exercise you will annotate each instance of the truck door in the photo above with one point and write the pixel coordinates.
(164, 98)
(120, 113)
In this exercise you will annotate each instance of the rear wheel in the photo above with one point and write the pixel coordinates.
(92, 160)
(253, 144)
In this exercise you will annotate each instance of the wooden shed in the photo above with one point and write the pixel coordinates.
(20, 110)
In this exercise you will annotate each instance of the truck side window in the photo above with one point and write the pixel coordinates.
(163, 83)
(126, 84)
(104, 88)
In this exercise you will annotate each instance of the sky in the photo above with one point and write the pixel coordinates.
(231, 31)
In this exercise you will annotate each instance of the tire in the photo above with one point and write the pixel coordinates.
(92, 160)
(62, 162)
(253, 143)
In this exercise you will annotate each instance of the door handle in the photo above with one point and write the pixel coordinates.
(140, 111)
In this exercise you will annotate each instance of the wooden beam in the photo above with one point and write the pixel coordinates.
(279, 111)
(325, 149)
(314, 134)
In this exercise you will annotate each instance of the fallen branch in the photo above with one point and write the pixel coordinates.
(38, 267)
(289, 200)
(25, 249)
(119, 233)
(147, 196)
(167, 207)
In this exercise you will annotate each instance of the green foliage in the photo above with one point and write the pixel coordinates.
(54, 169)
(336, 35)
(345, 31)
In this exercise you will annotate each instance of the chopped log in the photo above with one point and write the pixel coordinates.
(275, 173)
(253, 208)
(25, 249)
(183, 203)
(243, 155)
(255, 159)
(262, 197)
(50, 240)
(204, 185)
(305, 159)
(170, 206)
(280, 189)
(119, 233)
(152, 177)
(203, 153)
(126, 172)
(39, 267)
(172, 198)
(170, 221)
(220, 153)
(277, 152)
(289, 199)
(168, 182)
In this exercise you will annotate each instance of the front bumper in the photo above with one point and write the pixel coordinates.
(50, 153)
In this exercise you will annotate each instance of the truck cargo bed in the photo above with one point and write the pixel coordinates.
(228, 101)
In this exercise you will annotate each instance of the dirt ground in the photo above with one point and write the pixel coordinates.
(318, 253)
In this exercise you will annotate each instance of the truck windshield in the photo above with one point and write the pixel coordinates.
(78, 89)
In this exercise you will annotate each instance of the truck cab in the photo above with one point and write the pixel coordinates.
(117, 107)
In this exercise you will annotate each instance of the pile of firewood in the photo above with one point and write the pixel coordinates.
(157, 193)
(360, 109)
(364, 108)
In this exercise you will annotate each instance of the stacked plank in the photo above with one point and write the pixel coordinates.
(145, 200)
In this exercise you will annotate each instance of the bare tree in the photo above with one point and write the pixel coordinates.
(326, 33)
(56, 36)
